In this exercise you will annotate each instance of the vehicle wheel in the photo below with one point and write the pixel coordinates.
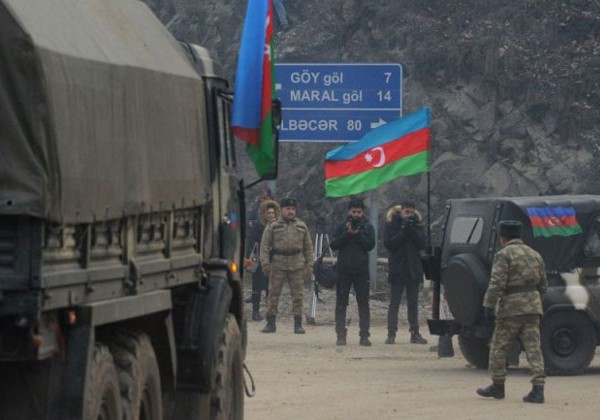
(475, 350)
(102, 396)
(226, 397)
(568, 342)
(139, 376)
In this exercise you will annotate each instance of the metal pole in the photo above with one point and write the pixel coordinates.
(374, 218)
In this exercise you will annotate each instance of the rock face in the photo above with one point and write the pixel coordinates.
(513, 87)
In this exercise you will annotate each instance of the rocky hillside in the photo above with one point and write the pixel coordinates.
(513, 86)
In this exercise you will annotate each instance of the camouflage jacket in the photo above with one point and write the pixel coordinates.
(286, 246)
(518, 281)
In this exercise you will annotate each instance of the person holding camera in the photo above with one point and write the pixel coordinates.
(404, 238)
(353, 240)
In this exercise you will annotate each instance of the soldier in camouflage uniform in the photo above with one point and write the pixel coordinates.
(517, 286)
(286, 253)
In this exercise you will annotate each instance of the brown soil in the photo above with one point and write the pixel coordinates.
(308, 377)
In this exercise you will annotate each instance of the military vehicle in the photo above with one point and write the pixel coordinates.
(121, 220)
(564, 230)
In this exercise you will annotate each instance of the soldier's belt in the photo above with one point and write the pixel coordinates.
(521, 289)
(287, 253)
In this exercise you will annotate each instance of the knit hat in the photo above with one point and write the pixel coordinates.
(288, 202)
(511, 228)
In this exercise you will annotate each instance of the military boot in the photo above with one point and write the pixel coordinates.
(270, 327)
(364, 341)
(298, 325)
(494, 391)
(536, 395)
(256, 316)
(416, 338)
(391, 339)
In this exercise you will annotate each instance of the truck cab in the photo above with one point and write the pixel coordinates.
(565, 231)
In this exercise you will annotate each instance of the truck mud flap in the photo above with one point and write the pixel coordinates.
(205, 315)
(443, 327)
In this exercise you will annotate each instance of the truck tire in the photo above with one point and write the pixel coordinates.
(475, 350)
(227, 395)
(139, 376)
(568, 342)
(102, 395)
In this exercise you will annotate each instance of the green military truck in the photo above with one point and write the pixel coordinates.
(565, 231)
(121, 220)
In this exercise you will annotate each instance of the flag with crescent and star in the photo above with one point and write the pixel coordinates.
(251, 118)
(396, 149)
(553, 221)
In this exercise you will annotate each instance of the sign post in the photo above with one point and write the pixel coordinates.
(336, 102)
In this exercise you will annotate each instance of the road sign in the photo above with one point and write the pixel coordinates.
(336, 102)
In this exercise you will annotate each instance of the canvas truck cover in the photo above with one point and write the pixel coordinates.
(100, 112)
(560, 251)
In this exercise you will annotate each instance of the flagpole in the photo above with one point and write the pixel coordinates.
(429, 212)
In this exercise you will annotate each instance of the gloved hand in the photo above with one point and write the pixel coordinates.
(488, 314)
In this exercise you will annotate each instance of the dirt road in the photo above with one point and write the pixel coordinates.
(308, 377)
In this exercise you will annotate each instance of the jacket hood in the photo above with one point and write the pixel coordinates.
(397, 209)
(262, 210)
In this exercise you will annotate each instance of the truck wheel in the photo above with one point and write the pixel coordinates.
(568, 342)
(227, 396)
(102, 397)
(139, 376)
(475, 350)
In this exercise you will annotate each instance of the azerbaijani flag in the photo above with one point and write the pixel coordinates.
(553, 221)
(398, 148)
(252, 118)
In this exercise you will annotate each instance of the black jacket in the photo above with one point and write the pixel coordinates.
(353, 249)
(404, 241)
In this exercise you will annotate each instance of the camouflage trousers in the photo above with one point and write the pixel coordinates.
(526, 328)
(295, 280)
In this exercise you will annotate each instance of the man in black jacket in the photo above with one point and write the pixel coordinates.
(353, 240)
(404, 239)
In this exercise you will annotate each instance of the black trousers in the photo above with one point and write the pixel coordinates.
(360, 282)
(260, 282)
(397, 287)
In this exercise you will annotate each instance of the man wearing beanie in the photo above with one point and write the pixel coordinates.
(286, 255)
(516, 290)
(353, 239)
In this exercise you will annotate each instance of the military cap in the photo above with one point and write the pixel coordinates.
(356, 203)
(288, 202)
(510, 228)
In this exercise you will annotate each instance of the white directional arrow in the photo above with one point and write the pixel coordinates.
(378, 123)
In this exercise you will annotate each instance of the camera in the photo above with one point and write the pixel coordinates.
(411, 220)
(355, 223)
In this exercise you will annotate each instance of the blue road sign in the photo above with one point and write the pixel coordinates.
(336, 102)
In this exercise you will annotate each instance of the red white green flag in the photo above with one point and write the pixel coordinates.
(396, 149)
(553, 221)
(254, 86)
